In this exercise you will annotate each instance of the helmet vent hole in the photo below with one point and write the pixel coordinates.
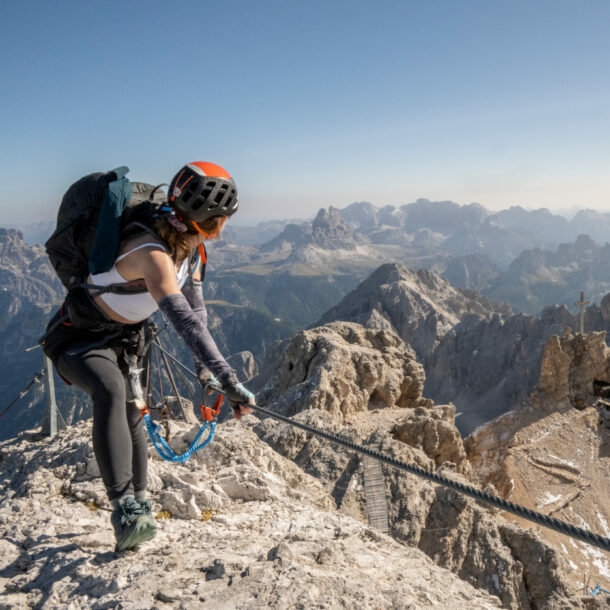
(208, 189)
(220, 195)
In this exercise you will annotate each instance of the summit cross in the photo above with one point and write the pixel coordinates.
(582, 304)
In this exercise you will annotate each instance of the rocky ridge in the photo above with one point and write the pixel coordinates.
(553, 454)
(419, 305)
(270, 516)
(456, 533)
(239, 527)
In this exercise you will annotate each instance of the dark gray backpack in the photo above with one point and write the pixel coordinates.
(91, 217)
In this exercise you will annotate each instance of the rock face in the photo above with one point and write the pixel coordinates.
(476, 355)
(239, 527)
(457, 533)
(570, 365)
(552, 454)
(473, 271)
(420, 306)
(539, 277)
(489, 366)
(346, 370)
(28, 290)
(269, 515)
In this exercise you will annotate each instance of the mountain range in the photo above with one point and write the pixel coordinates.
(446, 335)
(509, 291)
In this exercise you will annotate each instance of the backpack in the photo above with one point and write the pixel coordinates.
(91, 222)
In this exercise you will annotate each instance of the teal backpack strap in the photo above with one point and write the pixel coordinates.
(108, 232)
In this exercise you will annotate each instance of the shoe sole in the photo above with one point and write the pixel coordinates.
(144, 530)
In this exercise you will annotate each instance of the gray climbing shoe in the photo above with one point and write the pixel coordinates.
(132, 525)
(146, 507)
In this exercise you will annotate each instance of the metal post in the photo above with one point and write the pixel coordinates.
(172, 381)
(582, 304)
(50, 391)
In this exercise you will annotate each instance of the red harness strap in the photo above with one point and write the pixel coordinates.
(202, 254)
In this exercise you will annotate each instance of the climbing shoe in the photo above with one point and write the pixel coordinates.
(146, 507)
(131, 524)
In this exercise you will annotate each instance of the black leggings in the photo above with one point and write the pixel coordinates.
(119, 435)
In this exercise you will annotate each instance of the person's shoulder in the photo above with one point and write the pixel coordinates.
(142, 241)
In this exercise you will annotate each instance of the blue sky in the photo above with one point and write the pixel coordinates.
(312, 103)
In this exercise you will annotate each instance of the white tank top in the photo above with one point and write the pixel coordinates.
(140, 305)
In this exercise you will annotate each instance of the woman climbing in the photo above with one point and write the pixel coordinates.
(92, 356)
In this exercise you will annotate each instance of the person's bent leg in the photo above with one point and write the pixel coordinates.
(96, 371)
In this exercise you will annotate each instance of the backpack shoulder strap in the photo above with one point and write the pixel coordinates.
(107, 234)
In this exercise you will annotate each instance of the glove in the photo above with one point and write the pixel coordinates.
(238, 395)
(209, 383)
(239, 398)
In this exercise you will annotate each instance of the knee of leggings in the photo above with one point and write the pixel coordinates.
(109, 394)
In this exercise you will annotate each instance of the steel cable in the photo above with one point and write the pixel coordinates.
(467, 490)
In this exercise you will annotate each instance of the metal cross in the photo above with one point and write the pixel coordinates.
(582, 304)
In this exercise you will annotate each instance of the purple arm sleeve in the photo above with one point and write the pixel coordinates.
(194, 295)
(194, 331)
(192, 290)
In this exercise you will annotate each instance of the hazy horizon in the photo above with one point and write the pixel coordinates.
(568, 214)
(310, 105)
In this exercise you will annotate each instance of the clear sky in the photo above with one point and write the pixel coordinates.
(310, 103)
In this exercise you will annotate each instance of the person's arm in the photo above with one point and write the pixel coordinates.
(159, 273)
(192, 290)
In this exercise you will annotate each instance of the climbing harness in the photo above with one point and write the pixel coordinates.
(209, 413)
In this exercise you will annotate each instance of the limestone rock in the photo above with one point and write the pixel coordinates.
(570, 365)
(488, 366)
(346, 370)
(433, 431)
(453, 530)
(286, 548)
(420, 306)
(551, 455)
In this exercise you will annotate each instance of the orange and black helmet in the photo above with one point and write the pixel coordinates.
(202, 190)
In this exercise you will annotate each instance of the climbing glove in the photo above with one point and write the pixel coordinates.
(239, 398)
(209, 384)
(238, 395)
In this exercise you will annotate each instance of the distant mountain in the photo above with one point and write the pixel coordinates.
(472, 229)
(537, 277)
(492, 264)
(28, 290)
(476, 354)
(419, 305)
(34, 233)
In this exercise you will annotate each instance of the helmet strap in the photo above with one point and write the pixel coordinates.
(201, 231)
